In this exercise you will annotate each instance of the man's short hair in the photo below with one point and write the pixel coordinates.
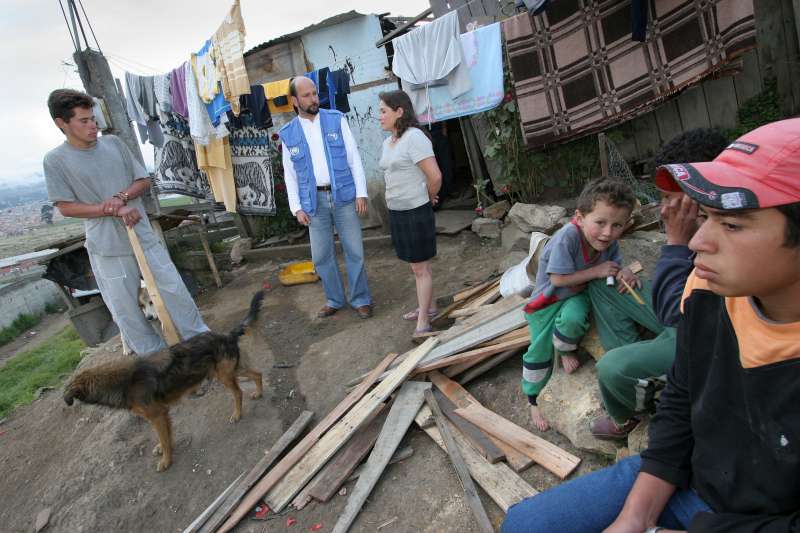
(62, 103)
(699, 144)
(612, 191)
(792, 214)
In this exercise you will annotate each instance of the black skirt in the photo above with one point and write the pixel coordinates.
(414, 233)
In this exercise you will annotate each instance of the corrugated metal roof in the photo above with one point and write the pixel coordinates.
(331, 21)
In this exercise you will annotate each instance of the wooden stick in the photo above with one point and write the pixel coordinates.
(297, 453)
(477, 355)
(170, 332)
(479, 369)
(633, 292)
(550, 456)
(470, 492)
(258, 470)
(200, 520)
(480, 441)
(400, 455)
(211, 263)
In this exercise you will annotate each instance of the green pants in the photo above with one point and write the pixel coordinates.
(616, 316)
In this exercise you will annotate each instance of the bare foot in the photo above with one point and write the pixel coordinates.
(538, 420)
(570, 363)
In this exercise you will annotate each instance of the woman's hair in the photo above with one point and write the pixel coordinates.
(395, 100)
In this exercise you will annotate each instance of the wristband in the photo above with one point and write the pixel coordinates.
(122, 195)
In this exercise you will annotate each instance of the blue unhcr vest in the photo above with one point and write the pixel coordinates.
(342, 184)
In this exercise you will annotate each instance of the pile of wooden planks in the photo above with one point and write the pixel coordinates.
(370, 422)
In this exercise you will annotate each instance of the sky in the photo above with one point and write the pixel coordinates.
(141, 36)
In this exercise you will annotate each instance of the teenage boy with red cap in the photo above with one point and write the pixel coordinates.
(724, 450)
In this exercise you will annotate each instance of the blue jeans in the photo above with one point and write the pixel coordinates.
(323, 251)
(590, 503)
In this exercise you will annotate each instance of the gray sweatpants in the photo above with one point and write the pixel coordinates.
(118, 280)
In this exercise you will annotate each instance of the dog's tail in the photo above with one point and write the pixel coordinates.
(252, 315)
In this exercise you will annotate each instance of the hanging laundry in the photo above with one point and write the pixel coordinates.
(252, 168)
(639, 20)
(207, 84)
(597, 89)
(101, 116)
(255, 106)
(176, 170)
(215, 160)
(147, 125)
(341, 83)
(161, 85)
(431, 55)
(534, 7)
(278, 96)
(177, 91)
(202, 130)
(326, 90)
(483, 56)
(229, 43)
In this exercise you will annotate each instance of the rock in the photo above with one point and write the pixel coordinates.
(591, 342)
(513, 238)
(497, 210)
(42, 519)
(486, 228)
(639, 438)
(534, 217)
(570, 402)
(239, 247)
(511, 259)
(622, 453)
(645, 251)
(563, 221)
(651, 236)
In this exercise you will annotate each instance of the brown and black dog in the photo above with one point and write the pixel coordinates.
(147, 386)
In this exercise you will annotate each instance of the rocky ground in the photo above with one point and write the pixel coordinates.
(92, 469)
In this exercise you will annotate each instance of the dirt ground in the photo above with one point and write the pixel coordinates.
(92, 467)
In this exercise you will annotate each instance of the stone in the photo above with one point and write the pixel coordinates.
(534, 217)
(237, 250)
(42, 519)
(486, 228)
(497, 210)
(513, 238)
(511, 259)
(591, 342)
(563, 221)
(639, 438)
(655, 237)
(570, 402)
(645, 251)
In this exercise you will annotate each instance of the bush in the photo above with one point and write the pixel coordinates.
(22, 323)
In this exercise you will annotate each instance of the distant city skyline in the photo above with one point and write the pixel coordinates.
(144, 37)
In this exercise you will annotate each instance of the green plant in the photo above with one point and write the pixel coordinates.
(761, 109)
(53, 307)
(20, 324)
(43, 366)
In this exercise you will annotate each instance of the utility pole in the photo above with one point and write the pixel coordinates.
(99, 82)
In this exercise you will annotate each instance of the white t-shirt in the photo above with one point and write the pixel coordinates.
(406, 184)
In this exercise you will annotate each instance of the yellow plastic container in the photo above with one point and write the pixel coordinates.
(298, 273)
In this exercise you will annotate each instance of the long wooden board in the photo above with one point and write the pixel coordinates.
(400, 455)
(211, 509)
(501, 483)
(282, 493)
(272, 477)
(289, 436)
(479, 440)
(550, 456)
(479, 369)
(470, 492)
(474, 356)
(404, 408)
(167, 325)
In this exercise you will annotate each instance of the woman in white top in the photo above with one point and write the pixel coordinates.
(413, 180)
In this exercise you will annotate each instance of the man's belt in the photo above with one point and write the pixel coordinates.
(323, 187)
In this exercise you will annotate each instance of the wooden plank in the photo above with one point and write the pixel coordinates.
(474, 356)
(480, 369)
(470, 492)
(282, 493)
(400, 455)
(167, 325)
(200, 520)
(721, 102)
(487, 297)
(501, 483)
(550, 456)
(472, 291)
(455, 370)
(668, 120)
(289, 436)
(513, 335)
(328, 481)
(255, 495)
(748, 83)
(479, 440)
(692, 107)
(401, 415)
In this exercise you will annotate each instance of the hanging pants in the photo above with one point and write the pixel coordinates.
(118, 279)
(626, 370)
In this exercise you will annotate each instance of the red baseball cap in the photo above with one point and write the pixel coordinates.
(758, 170)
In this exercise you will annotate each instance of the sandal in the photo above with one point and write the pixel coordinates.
(413, 315)
(421, 335)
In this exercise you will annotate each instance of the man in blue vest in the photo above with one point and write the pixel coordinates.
(326, 187)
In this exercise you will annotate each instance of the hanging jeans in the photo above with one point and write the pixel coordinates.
(323, 251)
(590, 503)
